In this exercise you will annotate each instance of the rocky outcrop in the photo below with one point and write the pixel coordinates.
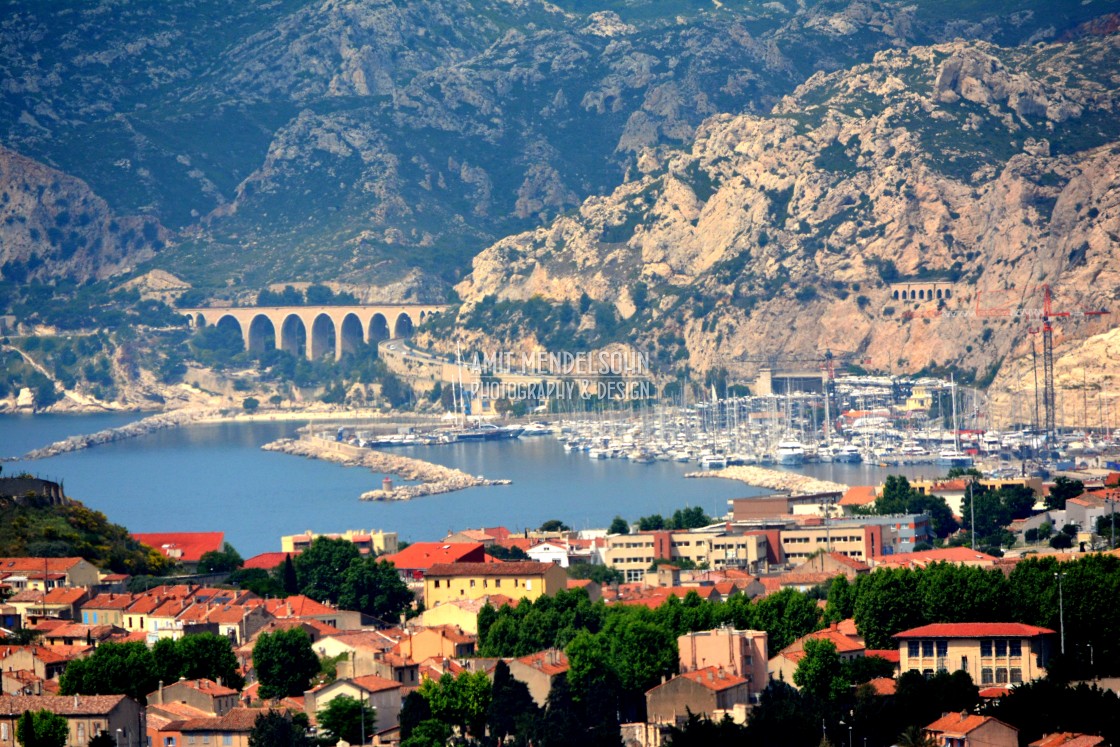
(990, 170)
(53, 226)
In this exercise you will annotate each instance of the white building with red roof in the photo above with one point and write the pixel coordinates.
(991, 653)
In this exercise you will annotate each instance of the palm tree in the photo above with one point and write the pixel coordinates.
(916, 736)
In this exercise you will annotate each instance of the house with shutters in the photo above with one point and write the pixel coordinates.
(991, 653)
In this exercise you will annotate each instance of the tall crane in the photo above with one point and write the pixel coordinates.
(1045, 314)
(1048, 394)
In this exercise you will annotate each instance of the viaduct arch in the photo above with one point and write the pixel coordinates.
(315, 331)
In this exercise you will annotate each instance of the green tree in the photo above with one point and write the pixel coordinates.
(601, 574)
(1061, 491)
(288, 576)
(886, 603)
(554, 525)
(785, 616)
(428, 733)
(414, 711)
(820, 673)
(700, 731)
(651, 523)
(689, 518)
(220, 561)
(916, 736)
(277, 729)
(348, 719)
(209, 656)
(112, 669)
(511, 712)
(251, 404)
(284, 662)
(102, 739)
(259, 581)
(374, 587)
(619, 526)
(1061, 541)
(42, 729)
(460, 701)
(321, 568)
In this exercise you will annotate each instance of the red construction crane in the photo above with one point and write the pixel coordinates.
(1048, 395)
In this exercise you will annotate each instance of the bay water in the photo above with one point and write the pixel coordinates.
(215, 477)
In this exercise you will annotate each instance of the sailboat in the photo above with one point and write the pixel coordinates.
(954, 457)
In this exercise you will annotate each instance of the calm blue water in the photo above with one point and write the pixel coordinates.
(215, 477)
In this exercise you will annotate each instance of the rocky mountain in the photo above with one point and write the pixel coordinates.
(989, 170)
(303, 140)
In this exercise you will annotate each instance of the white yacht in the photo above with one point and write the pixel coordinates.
(790, 452)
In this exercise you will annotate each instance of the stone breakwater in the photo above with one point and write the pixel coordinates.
(774, 480)
(432, 479)
(142, 427)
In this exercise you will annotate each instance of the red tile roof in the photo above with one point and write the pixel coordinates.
(268, 560)
(513, 568)
(63, 705)
(960, 723)
(37, 565)
(550, 661)
(858, 495)
(994, 692)
(936, 555)
(890, 654)
(192, 545)
(715, 678)
(974, 630)
(296, 605)
(420, 556)
(1068, 739)
(371, 683)
(884, 685)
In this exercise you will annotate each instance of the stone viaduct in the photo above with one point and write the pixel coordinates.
(314, 330)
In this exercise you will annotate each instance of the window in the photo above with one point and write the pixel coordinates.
(3, 732)
(190, 739)
(1016, 675)
(1015, 647)
(227, 740)
(1001, 647)
(964, 663)
(206, 739)
(169, 742)
(497, 583)
(472, 583)
(927, 648)
(986, 676)
(985, 648)
(435, 583)
(911, 648)
(485, 583)
(942, 648)
(927, 673)
(81, 732)
(1001, 676)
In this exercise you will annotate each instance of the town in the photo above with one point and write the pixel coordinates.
(863, 617)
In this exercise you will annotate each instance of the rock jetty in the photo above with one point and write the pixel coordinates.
(142, 427)
(431, 478)
(774, 480)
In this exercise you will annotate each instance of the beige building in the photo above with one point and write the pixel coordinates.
(524, 579)
(740, 652)
(87, 716)
(44, 574)
(206, 695)
(368, 543)
(381, 694)
(711, 692)
(991, 653)
(970, 730)
(538, 671)
(633, 554)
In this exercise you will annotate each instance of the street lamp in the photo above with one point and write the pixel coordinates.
(1061, 612)
(849, 732)
(118, 738)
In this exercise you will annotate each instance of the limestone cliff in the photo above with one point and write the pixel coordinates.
(52, 226)
(990, 171)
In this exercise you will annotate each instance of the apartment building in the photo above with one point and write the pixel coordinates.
(718, 549)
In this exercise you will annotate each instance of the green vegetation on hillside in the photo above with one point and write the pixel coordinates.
(31, 526)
